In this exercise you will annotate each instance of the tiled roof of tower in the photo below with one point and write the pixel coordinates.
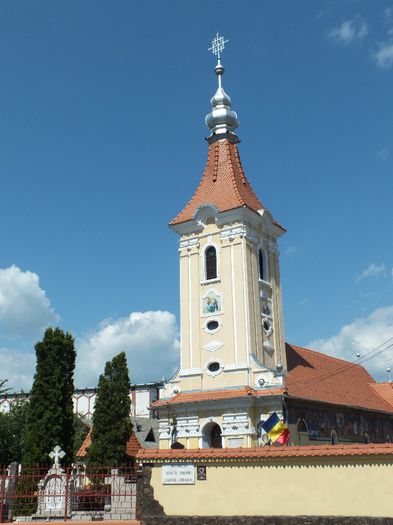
(224, 183)
(319, 377)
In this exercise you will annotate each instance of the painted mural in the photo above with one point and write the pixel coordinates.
(348, 425)
(212, 303)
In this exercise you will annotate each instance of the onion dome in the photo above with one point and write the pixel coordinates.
(221, 119)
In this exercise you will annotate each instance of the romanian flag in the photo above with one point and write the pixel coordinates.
(276, 430)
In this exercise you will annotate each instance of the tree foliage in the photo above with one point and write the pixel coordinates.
(50, 415)
(12, 429)
(111, 418)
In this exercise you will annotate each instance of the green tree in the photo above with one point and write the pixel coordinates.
(111, 418)
(12, 429)
(50, 419)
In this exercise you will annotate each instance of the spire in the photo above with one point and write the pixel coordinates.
(221, 120)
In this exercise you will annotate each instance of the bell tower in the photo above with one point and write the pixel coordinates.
(232, 332)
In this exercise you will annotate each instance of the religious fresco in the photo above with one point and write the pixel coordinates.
(352, 426)
(212, 303)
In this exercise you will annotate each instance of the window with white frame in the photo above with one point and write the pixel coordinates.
(210, 263)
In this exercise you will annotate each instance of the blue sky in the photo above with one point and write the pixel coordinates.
(102, 131)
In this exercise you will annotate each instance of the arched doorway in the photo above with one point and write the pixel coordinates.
(334, 437)
(211, 436)
(302, 432)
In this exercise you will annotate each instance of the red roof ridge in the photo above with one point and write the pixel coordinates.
(270, 452)
(232, 172)
(197, 396)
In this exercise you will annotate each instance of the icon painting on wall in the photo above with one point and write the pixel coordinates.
(212, 303)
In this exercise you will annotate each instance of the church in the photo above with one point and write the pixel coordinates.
(236, 369)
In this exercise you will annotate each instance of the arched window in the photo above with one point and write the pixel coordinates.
(334, 437)
(261, 259)
(211, 263)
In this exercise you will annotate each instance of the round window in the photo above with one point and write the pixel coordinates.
(214, 367)
(267, 326)
(212, 325)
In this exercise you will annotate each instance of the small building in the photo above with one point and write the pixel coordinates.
(144, 436)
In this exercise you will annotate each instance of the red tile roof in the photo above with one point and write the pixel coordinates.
(224, 183)
(267, 452)
(384, 390)
(133, 446)
(315, 376)
(213, 395)
(85, 445)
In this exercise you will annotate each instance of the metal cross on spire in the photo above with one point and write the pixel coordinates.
(56, 455)
(218, 45)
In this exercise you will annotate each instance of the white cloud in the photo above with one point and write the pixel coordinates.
(388, 12)
(383, 154)
(349, 31)
(24, 307)
(18, 368)
(290, 249)
(374, 270)
(363, 335)
(150, 340)
(384, 55)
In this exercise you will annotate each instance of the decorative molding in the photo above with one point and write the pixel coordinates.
(236, 367)
(164, 429)
(192, 242)
(268, 347)
(188, 426)
(239, 231)
(212, 346)
(235, 424)
(188, 372)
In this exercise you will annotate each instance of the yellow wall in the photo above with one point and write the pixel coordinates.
(301, 486)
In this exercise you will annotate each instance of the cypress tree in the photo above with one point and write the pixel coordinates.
(50, 415)
(111, 418)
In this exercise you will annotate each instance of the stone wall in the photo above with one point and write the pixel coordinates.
(146, 505)
(265, 520)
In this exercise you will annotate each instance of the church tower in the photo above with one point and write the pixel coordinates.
(232, 334)
(230, 294)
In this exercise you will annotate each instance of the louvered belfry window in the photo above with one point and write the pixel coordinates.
(211, 263)
(261, 272)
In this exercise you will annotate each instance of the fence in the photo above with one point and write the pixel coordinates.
(70, 494)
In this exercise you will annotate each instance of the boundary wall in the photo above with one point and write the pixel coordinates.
(341, 480)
